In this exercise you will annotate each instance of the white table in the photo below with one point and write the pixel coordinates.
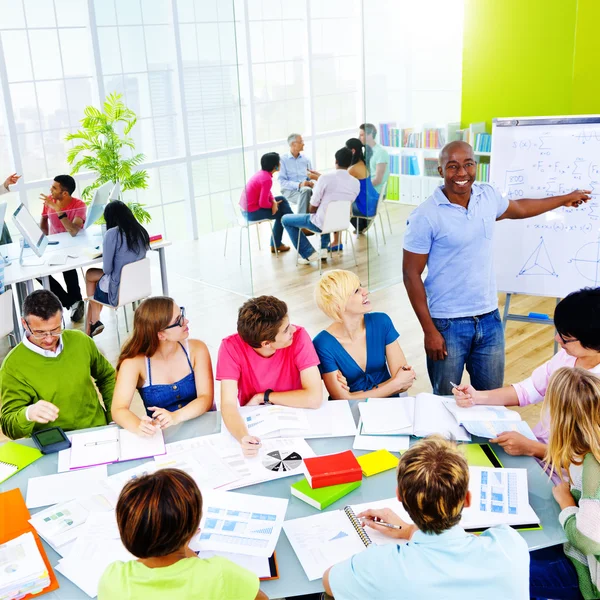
(32, 268)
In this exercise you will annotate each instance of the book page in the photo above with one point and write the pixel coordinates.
(263, 420)
(332, 419)
(377, 537)
(387, 416)
(133, 446)
(480, 412)
(393, 443)
(431, 416)
(322, 540)
(96, 447)
(492, 429)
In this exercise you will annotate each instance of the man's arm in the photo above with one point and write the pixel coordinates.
(74, 226)
(413, 266)
(103, 374)
(326, 585)
(309, 396)
(16, 397)
(44, 224)
(379, 173)
(230, 410)
(531, 207)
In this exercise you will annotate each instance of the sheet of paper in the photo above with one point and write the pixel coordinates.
(96, 447)
(322, 540)
(97, 546)
(332, 419)
(480, 412)
(51, 489)
(257, 564)
(22, 566)
(386, 416)
(432, 417)
(392, 503)
(134, 446)
(492, 429)
(240, 523)
(64, 458)
(264, 420)
(116, 482)
(393, 443)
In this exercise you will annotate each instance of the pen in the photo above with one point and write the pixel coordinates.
(454, 385)
(384, 524)
(102, 442)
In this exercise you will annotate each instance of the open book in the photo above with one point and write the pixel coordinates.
(419, 416)
(499, 496)
(112, 444)
(488, 421)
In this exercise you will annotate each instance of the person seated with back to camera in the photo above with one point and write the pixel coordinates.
(158, 515)
(268, 361)
(48, 379)
(172, 373)
(577, 323)
(360, 345)
(337, 186)
(125, 241)
(257, 202)
(434, 557)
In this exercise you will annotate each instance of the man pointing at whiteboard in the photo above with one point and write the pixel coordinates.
(451, 233)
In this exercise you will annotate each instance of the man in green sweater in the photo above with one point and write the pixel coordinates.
(47, 379)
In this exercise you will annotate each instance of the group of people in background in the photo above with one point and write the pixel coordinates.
(359, 178)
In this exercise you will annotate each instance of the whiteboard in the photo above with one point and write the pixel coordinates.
(558, 252)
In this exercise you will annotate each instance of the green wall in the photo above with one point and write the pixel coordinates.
(530, 58)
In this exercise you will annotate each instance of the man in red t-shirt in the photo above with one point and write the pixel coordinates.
(63, 213)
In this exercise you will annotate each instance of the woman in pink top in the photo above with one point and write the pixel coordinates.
(577, 322)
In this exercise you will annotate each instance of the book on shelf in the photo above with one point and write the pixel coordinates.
(483, 172)
(483, 142)
(430, 166)
(393, 188)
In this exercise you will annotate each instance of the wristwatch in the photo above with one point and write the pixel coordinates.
(266, 397)
(62, 216)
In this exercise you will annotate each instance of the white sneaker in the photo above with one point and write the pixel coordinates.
(323, 253)
(314, 257)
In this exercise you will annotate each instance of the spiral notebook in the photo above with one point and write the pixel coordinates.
(15, 457)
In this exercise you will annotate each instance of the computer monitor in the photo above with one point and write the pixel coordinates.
(102, 196)
(3, 206)
(30, 230)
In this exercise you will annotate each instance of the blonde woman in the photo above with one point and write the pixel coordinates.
(573, 403)
(359, 346)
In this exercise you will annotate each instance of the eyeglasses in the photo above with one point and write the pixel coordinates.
(180, 319)
(40, 335)
(563, 339)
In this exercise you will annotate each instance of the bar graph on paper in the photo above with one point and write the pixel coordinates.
(498, 492)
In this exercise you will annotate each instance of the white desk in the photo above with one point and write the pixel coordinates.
(16, 274)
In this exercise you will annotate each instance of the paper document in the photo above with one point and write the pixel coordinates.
(393, 443)
(116, 482)
(240, 523)
(492, 429)
(51, 489)
(262, 420)
(332, 419)
(480, 412)
(386, 416)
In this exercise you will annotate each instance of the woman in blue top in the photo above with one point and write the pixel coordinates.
(126, 241)
(359, 346)
(365, 204)
(172, 373)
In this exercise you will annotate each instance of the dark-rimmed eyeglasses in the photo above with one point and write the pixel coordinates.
(562, 339)
(180, 319)
(40, 335)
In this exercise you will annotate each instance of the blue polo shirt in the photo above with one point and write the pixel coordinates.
(292, 171)
(453, 565)
(460, 278)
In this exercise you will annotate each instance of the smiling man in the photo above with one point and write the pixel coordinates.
(452, 234)
(268, 361)
(46, 380)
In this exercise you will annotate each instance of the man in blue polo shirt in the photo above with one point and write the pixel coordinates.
(451, 233)
(434, 557)
(294, 182)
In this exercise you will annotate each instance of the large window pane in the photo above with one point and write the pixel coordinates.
(39, 13)
(16, 55)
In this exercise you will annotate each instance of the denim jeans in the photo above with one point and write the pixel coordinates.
(293, 224)
(552, 575)
(478, 343)
(265, 213)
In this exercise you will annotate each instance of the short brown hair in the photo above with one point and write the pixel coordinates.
(158, 513)
(259, 319)
(433, 481)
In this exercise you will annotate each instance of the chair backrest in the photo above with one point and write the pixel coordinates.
(381, 197)
(6, 313)
(337, 216)
(233, 212)
(135, 281)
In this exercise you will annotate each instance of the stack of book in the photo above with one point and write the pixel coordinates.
(393, 188)
(431, 166)
(394, 165)
(410, 165)
(483, 172)
(433, 138)
(483, 142)
(389, 135)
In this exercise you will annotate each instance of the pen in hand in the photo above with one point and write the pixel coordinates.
(384, 524)
(454, 385)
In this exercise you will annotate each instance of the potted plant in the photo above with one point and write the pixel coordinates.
(100, 150)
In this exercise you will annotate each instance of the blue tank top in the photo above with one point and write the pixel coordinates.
(367, 198)
(170, 396)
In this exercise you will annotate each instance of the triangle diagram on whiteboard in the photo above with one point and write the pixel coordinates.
(539, 262)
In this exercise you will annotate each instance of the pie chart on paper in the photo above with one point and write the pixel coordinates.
(282, 461)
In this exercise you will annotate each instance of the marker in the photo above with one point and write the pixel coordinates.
(101, 442)
(384, 524)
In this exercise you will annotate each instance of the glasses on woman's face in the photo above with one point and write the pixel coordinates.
(562, 339)
(40, 335)
(180, 319)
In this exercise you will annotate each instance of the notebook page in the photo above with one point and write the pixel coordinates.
(480, 412)
(133, 446)
(96, 447)
(431, 416)
(387, 416)
(7, 470)
(322, 540)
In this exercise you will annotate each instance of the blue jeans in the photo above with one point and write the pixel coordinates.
(552, 575)
(293, 224)
(265, 213)
(478, 343)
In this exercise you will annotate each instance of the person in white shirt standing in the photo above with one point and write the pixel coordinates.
(337, 186)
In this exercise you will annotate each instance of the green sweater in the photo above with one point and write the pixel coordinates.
(66, 381)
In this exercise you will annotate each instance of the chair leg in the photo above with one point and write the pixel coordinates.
(258, 235)
(225, 248)
(382, 228)
(125, 317)
(117, 320)
(241, 230)
(319, 251)
(273, 239)
(388, 217)
(352, 244)
(376, 236)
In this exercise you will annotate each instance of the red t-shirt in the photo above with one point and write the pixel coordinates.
(77, 208)
(254, 373)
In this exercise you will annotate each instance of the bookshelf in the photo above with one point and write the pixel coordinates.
(414, 157)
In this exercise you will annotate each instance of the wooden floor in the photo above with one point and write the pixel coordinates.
(212, 287)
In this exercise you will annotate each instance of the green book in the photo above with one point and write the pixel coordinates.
(322, 497)
(15, 457)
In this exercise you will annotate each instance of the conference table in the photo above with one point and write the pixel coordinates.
(22, 276)
(292, 579)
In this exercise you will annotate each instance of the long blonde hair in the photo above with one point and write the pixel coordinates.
(573, 402)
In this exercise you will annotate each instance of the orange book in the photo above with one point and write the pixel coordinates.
(14, 521)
